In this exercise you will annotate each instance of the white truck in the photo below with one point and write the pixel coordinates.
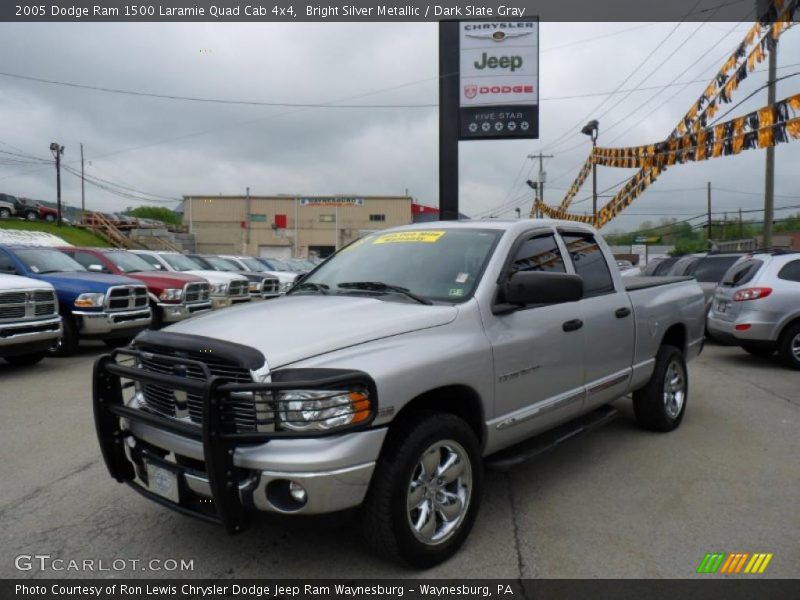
(29, 320)
(389, 376)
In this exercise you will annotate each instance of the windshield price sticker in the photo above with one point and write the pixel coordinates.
(414, 237)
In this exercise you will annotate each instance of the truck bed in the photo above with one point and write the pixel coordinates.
(642, 283)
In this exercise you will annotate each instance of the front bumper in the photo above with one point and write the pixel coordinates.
(240, 299)
(221, 475)
(108, 324)
(172, 313)
(29, 336)
(218, 302)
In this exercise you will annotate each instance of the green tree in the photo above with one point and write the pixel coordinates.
(156, 212)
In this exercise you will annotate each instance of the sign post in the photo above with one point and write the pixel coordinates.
(488, 90)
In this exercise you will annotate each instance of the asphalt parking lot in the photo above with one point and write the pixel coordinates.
(617, 502)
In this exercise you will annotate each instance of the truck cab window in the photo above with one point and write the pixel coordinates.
(539, 253)
(6, 266)
(589, 263)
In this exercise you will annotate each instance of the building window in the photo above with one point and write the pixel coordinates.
(380, 218)
(327, 218)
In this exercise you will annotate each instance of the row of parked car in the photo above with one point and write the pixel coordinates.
(752, 299)
(51, 298)
(11, 206)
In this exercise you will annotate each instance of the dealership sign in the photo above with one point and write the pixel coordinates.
(332, 201)
(499, 79)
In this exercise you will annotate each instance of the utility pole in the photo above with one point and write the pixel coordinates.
(769, 176)
(708, 225)
(541, 177)
(83, 189)
(247, 217)
(58, 151)
(740, 224)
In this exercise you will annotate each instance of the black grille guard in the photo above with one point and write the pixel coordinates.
(218, 440)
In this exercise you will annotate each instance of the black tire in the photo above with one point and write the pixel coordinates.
(5, 213)
(386, 518)
(68, 344)
(789, 346)
(759, 350)
(25, 360)
(49, 218)
(653, 408)
(32, 215)
(157, 320)
(118, 342)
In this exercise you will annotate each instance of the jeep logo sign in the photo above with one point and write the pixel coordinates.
(499, 79)
(512, 63)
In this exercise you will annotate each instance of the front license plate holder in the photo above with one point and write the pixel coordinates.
(162, 481)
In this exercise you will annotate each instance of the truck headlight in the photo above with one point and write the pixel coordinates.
(219, 289)
(90, 300)
(285, 286)
(171, 294)
(322, 410)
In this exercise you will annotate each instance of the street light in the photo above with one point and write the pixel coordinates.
(591, 129)
(57, 151)
(535, 187)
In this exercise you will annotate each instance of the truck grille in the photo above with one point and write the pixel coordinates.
(162, 400)
(271, 286)
(240, 288)
(196, 292)
(126, 297)
(27, 305)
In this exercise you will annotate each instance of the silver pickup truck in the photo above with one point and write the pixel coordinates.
(29, 321)
(388, 376)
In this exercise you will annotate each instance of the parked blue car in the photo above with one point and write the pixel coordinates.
(92, 305)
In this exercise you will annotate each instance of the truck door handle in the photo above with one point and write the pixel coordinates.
(572, 325)
(621, 313)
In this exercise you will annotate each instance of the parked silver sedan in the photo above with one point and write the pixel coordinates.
(757, 305)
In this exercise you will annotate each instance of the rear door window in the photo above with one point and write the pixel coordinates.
(741, 273)
(790, 271)
(589, 263)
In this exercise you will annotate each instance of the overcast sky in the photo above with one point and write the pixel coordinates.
(171, 148)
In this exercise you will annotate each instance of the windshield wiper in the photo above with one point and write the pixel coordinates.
(48, 271)
(379, 286)
(310, 285)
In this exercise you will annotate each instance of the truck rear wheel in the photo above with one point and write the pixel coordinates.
(661, 404)
(789, 346)
(426, 489)
(5, 213)
(32, 215)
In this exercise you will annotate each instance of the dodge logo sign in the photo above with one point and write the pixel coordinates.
(470, 91)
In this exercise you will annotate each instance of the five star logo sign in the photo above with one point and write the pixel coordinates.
(498, 36)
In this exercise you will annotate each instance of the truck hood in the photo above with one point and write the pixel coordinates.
(85, 281)
(294, 328)
(10, 283)
(162, 280)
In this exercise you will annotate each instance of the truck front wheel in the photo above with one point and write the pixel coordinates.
(661, 404)
(426, 490)
(68, 342)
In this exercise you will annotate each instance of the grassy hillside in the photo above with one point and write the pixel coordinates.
(73, 235)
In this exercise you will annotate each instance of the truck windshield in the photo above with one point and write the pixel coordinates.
(444, 264)
(252, 264)
(44, 260)
(220, 264)
(179, 262)
(129, 263)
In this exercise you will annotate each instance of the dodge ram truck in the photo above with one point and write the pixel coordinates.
(29, 320)
(387, 378)
(173, 296)
(92, 305)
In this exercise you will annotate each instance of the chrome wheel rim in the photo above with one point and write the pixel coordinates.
(795, 347)
(674, 389)
(439, 492)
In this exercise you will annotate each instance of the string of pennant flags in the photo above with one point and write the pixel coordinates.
(693, 139)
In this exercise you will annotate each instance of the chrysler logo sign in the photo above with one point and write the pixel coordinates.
(498, 36)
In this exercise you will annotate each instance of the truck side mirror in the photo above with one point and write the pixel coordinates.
(535, 287)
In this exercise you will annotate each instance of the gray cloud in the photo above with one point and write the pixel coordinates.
(174, 148)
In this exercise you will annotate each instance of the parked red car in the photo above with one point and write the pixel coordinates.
(173, 296)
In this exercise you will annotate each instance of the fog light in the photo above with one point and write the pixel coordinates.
(297, 492)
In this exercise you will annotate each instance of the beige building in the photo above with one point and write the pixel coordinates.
(288, 226)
